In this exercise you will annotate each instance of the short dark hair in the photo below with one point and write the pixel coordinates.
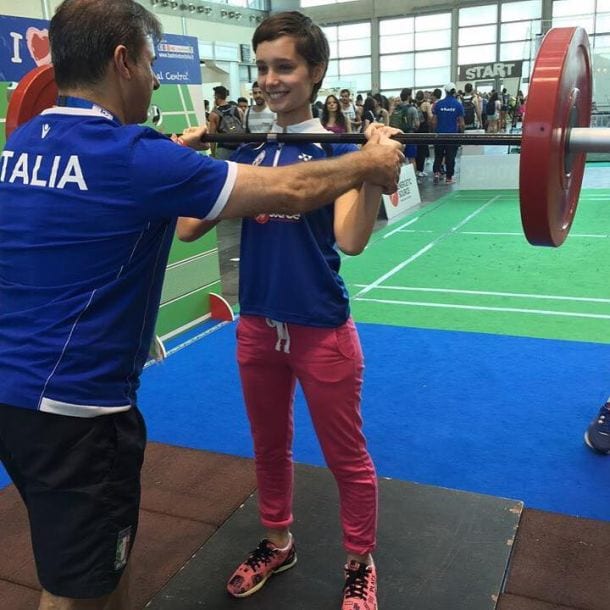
(468, 87)
(310, 42)
(221, 91)
(345, 91)
(437, 93)
(242, 99)
(405, 94)
(85, 33)
(255, 85)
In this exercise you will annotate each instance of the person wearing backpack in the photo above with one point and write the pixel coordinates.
(225, 118)
(472, 111)
(405, 117)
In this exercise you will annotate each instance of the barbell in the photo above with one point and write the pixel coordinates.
(554, 140)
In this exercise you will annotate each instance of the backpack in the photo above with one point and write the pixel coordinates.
(229, 123)
(469, 110)
(402, 119)
(491, 107)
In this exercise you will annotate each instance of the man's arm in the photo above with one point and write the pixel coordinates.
(213, 123)
(305, 186)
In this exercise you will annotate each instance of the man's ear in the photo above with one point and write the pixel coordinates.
(121, 61)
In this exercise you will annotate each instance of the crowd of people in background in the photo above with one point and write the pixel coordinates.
(490, 112)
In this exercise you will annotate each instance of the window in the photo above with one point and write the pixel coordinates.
(478, 15)
(414, 52)
(518, 11)
(350, 52)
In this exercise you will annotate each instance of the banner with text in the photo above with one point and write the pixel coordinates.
(24, 44)
(406, 197)
(506, 69)
(177, 60)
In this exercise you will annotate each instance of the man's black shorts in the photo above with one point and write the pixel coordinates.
(80, 480)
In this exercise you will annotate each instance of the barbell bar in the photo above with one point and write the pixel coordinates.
(554, 141)
(579, 139)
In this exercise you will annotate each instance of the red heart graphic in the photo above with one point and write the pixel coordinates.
(38, 46)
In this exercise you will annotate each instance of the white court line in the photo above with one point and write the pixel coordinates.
(569, 314)
(416, 231)
(397, 229)
(549, 297)
(425, 249)
(186, 112)
(190, 341)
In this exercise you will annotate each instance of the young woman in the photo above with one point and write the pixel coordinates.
(493, 112)
(295, 322)
(368, 113)
(333, 118)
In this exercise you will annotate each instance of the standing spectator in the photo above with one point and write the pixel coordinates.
(382, 106)
(405, 117)
(472, 108)
(425, 120)
(350, 110)
(504, 99)
(243, 105)
(231, 114)
(368, 113)
(493, 112)
(333, 118)
(448, 118)
(259, 118)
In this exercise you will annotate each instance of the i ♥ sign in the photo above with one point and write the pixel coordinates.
(38, 45)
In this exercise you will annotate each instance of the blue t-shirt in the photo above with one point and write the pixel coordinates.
(447, 112)
(87, 215)
(289, 264)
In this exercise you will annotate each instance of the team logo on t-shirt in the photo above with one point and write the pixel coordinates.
(264, 218)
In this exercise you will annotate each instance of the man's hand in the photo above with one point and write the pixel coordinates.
(191, 137)
(386, 156)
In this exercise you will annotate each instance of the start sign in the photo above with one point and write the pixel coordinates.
(506, 69)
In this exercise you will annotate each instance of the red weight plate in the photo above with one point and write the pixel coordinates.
(35, 92)
(559, 98)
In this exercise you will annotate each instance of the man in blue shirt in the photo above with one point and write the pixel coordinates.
(88, 207)
(448, 117)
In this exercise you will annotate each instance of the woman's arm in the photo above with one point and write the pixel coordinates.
(190, 229)
(355, 215)
(356, 212)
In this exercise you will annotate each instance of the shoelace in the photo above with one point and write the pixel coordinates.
(262, 554)
(356, 582)
(604, 420)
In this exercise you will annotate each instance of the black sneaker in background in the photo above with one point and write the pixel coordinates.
(597, 435)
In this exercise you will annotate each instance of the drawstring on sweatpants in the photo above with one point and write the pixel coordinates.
(282, 335)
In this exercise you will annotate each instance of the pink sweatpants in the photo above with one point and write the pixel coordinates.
(328, 364)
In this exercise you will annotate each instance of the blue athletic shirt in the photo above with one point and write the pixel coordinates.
(447, 112)
(87, 214)
(289, 264)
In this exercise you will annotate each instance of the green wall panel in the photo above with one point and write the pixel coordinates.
(177, 313)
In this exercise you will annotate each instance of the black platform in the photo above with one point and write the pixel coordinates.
(438, 549)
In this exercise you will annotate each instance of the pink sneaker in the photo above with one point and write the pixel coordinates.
(360, 591)
(262, 563)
